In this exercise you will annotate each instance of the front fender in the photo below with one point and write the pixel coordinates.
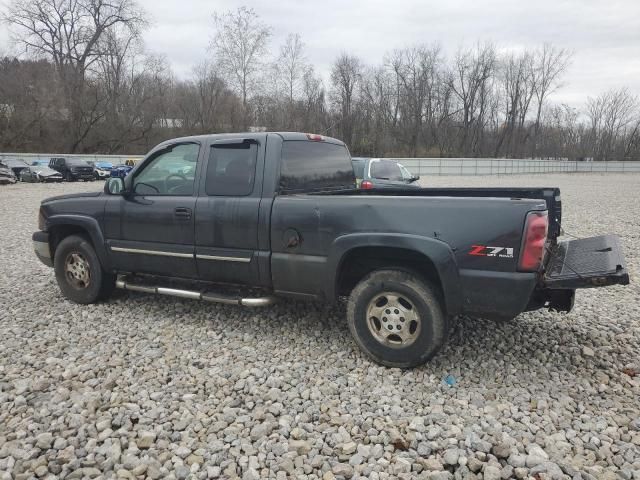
(91, 226)
(438, 252)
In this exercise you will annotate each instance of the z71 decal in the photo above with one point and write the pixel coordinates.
(486, 251)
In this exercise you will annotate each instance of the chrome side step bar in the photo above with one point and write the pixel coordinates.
(122, 283)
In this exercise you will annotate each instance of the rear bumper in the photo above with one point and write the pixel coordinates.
(42, 248)
(496, 295)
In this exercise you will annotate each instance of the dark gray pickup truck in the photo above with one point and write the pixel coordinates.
(280, 212)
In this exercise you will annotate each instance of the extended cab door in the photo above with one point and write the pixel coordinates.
(227, 210)
(152, 229)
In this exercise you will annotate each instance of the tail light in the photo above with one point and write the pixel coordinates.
(315, 137)
(366, 185)
(533, 242)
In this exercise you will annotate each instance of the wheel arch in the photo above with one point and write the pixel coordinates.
(354, 256)
(62, 226)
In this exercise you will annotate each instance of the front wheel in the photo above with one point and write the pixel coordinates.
(79, 273)
(396, 318)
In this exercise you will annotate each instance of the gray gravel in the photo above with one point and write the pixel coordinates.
(155, 387)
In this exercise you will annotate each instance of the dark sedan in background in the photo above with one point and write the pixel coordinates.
(382, 173)
(39, 173)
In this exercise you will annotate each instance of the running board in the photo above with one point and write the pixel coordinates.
(195, 295)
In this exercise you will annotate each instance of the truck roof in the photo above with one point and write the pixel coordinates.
(283, 135)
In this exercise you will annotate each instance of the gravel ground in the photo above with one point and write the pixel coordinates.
(156, 387)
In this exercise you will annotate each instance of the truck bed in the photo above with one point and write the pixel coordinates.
(550, 195)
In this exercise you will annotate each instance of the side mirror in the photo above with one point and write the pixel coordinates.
(114, 186)
(415, 178)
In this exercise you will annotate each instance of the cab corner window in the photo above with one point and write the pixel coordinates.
(171, 172)
(231, 169)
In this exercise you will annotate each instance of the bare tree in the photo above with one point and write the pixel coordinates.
(292, 64)
(516, 81)
(470, 83)
(240, 45)
(610, 116)
(345, 75)
(549, 65)
(68, 33)
(416, 71)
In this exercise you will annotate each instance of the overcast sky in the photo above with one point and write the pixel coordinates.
(603, 34)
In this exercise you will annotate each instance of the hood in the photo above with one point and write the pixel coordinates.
(71, 195)
(47, 172)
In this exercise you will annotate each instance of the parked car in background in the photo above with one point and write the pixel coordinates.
(381, 173)
(40, 173)
(102, 170)
(72, 168)
(121, 170)
(6, 175)
(16, 165)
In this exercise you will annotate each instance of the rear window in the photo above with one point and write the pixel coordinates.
(358, 167)
(231, 169)
(315, 166)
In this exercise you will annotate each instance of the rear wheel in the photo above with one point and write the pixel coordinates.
(396, 318)
(79, 273)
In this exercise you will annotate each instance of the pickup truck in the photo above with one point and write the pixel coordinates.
(280, 212)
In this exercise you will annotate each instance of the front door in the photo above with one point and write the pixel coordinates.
(227, 212)
(156, 222)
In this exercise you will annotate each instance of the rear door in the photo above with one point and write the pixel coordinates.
(227, 211)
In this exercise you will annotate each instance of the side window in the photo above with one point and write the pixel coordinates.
(171, 172)
(231, 169)
(386, 171)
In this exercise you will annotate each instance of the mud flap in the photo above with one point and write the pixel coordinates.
(586, 263)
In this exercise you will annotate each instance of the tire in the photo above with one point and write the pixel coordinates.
(421, 329)
(68, 177)
(78, 271)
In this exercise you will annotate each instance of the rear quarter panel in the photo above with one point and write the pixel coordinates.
(323, 224)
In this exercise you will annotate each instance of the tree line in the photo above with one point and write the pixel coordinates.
(83, 82)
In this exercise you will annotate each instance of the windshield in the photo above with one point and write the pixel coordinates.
(76, 162)
(16, 163)
(406, 174)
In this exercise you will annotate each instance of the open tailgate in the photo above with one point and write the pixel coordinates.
(586, 262)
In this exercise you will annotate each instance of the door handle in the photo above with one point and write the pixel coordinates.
(182, 212)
